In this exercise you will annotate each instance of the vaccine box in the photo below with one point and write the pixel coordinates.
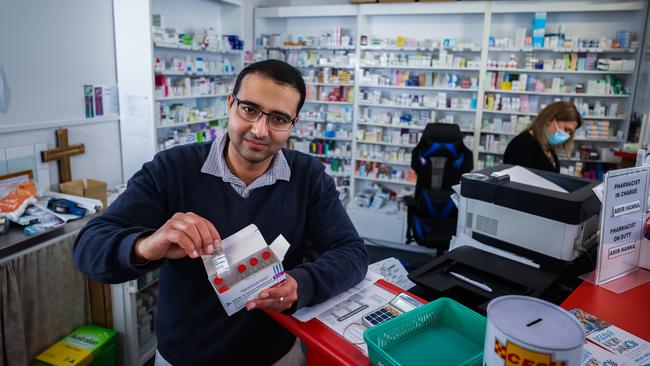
(86, 345)
(254, 266)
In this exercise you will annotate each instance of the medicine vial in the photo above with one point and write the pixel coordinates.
(217, 263)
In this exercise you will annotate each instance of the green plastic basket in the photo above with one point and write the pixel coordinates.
(442, 332)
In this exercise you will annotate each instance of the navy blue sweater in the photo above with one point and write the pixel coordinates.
(191, 326)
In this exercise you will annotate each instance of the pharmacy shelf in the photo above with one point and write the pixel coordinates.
(604, 118)
(431, 88)
(385, 143)
(329, 84)
(410, 127)
(192, 74)
(306, 11)
(326, 102)
(338, 174)
(587, 161)
(148, 351)
(580, 95)
(386, 180)
(563, 50)
(184, 47)
(323, 121)
(416, 108)
(424, 8)
(511, 113)
(173, 125)
(587, 118)
(321, 66)
(576, 72)
(565, 6)
(149, 284)
(606, 139)
(404, 163)
(321, 138)
(300, 48)
(420, 49)
(323, 156)
(482, 151)
(434, 68)
(165, 99)
(500, 133)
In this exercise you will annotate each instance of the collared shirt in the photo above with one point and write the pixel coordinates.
(216, 165)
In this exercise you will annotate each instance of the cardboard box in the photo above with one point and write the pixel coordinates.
(362, 1)
(92, 189)
(86, 345)
(254, 265)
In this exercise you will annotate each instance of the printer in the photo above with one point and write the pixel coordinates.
(546, 217)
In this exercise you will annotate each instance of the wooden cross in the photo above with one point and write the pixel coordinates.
(62, 154)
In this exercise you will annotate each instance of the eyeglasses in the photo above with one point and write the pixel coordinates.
(277, 122)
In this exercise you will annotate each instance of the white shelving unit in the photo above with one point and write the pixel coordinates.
(329, 67)
(141, 132)
(144, 63)
(587, 20)
(472, 23)
(392, 65)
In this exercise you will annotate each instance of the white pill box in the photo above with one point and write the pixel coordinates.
(246, 250)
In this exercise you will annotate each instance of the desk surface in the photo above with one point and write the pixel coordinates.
(629, 310)
(331, 349)
(15, 241)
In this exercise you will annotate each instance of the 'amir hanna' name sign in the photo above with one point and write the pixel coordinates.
(621, 220)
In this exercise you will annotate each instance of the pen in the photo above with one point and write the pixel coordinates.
(482, 286)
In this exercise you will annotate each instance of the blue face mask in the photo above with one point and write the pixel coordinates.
(559, 137)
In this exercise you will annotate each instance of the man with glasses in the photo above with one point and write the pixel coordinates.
(180, 205)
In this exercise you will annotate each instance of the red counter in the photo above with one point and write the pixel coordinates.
(326, 347)
(629, 311)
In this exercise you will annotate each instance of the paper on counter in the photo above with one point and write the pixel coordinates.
(599, 190)
(308, 313)
(593, 355)
(345, 317)
(524, 176)
(455, 197)
(613, 338)
(393, 271)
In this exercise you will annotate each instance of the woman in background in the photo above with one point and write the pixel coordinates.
(554, 127)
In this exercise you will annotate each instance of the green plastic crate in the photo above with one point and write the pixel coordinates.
(442, 332)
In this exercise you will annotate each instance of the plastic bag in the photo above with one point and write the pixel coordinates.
(21, 193)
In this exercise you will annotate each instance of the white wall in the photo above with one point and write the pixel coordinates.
(50, 49)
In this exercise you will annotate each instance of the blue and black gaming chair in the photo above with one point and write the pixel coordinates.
(439, 159)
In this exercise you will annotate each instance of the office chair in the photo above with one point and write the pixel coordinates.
(439, 159)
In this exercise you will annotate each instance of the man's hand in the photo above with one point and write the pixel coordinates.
(185, 234)
(276, 299)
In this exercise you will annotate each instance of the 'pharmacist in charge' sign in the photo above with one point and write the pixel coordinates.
(621, 222)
